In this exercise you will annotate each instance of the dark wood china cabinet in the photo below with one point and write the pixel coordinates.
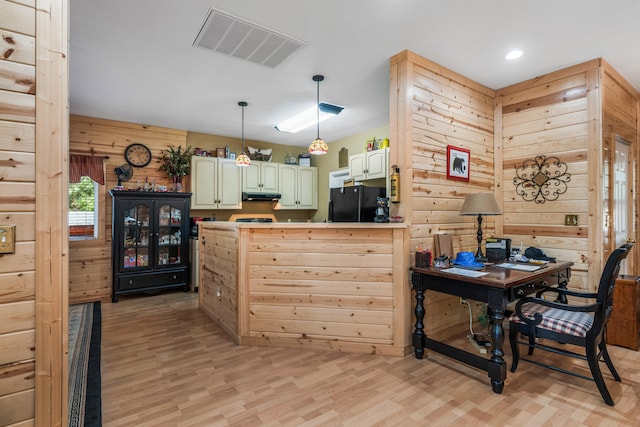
(150, 241)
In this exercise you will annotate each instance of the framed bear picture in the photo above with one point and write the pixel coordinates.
(458, 162)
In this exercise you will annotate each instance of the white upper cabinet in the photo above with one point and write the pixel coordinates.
(369, 165)
(307, 184)
(229, 185)
(298, 187)
(260, 177)
(215, 183)
(203, 182)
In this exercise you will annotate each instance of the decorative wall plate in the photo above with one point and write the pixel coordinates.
(541, 179)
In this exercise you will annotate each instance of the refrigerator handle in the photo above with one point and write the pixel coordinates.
(330, 210)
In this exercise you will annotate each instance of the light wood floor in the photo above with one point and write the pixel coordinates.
(164, 363)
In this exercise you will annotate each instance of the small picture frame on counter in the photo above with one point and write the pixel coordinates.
(221, 152)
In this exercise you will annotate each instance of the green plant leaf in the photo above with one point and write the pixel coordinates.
(176, 161)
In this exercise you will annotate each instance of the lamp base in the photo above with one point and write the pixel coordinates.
(479, 255)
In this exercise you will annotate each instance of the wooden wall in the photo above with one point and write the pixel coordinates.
(333, 287)
(33, 152)
(552, 115)
(569, 114)
(218, 293)
(433, 107)
(17, 206)
(90, 260)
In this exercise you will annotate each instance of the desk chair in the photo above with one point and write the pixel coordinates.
(580, 325)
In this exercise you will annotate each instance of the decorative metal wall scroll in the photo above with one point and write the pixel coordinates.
(541, 179)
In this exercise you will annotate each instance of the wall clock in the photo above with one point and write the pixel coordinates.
(138, 155)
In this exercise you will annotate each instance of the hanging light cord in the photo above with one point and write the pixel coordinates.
(318, 107)
(243, 159)
(242, 105)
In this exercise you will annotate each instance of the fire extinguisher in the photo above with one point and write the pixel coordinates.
(394, 197)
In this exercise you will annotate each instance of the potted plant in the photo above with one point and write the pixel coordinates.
(176, 162)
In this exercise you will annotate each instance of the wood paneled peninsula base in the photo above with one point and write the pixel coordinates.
(330, 286)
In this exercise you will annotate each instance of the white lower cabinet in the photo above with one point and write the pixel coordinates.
(298, 186)
(216, 183)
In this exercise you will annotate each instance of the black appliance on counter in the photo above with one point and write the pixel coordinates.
(354, 204)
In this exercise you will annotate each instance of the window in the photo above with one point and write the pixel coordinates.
(85, 175)
(83, 209)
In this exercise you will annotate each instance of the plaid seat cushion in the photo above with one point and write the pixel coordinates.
(560, 321)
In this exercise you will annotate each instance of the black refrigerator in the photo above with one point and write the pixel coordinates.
(354, 204)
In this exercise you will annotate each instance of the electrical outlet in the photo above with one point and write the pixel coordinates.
(571, 220)
(7, 239)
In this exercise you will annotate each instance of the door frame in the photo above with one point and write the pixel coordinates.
(609, 222)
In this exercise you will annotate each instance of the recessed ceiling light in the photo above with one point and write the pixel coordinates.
(514, 54)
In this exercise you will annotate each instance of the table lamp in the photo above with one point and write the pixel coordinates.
(480, 204)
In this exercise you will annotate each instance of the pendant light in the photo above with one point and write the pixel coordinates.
(318, 146)
(243, 159)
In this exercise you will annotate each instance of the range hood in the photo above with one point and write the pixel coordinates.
(260, 197)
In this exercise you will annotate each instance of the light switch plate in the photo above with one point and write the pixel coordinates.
(7, 239)
(571, 220)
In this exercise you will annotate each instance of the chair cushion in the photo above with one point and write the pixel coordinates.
(556, 320)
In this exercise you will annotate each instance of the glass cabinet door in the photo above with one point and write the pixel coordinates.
(169, 235)
(137, 237)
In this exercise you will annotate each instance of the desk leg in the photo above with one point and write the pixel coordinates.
(418, 337)
(562, 298)
(497, 367)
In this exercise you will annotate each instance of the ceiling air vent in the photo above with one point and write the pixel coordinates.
(234, 36)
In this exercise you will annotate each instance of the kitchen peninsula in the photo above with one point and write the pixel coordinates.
(329, 286)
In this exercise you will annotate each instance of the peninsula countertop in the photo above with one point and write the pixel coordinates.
(305, 224)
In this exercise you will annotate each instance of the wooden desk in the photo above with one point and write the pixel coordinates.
(497, 289)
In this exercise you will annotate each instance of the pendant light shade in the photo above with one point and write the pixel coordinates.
(243, 159)
(318, 146)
